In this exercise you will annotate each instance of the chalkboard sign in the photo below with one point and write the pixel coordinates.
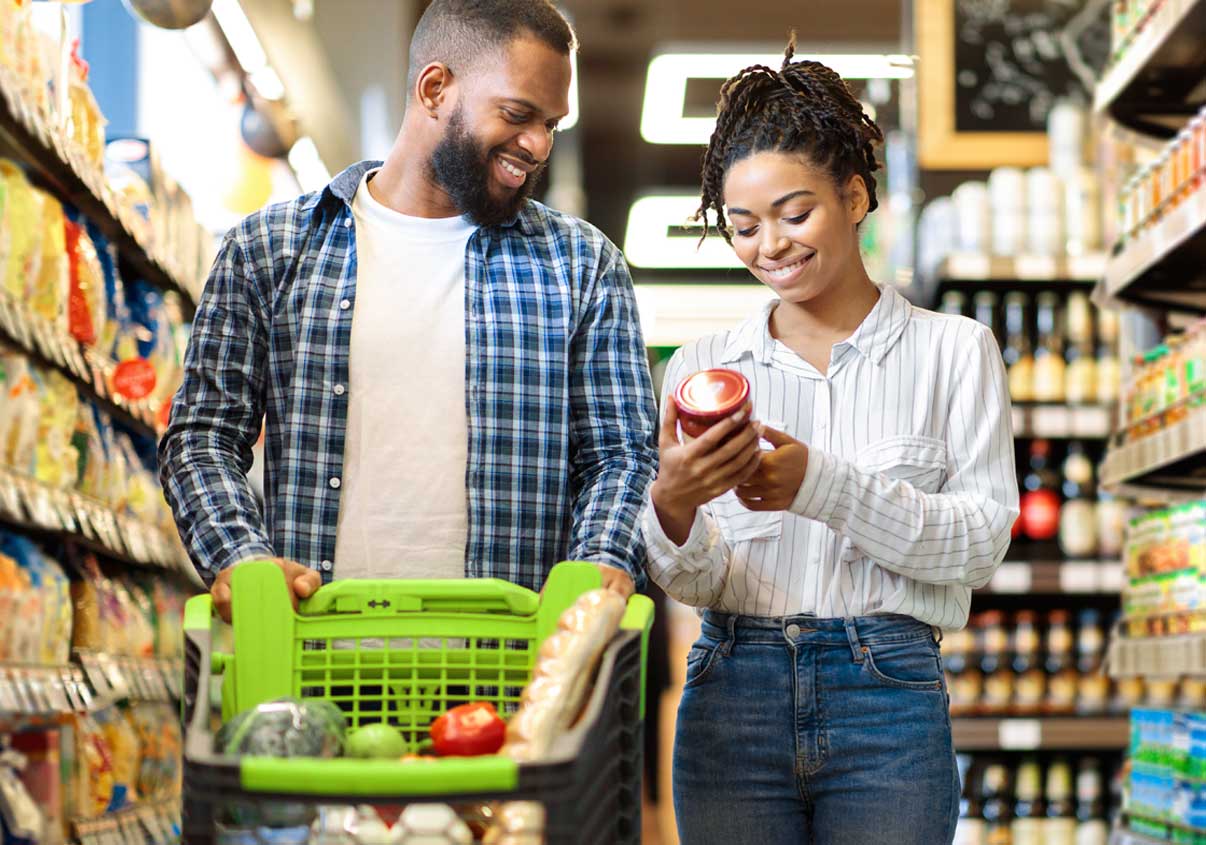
(991, 70)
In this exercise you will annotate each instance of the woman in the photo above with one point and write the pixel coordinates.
(815, 708)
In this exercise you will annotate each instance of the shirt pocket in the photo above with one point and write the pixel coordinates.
(921, 461)
(738, 524)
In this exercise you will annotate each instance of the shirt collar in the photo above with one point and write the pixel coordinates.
(345, 185)
(874, 338)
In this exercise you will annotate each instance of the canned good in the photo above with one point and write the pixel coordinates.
(707, 397)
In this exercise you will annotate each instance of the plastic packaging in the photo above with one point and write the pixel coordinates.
(286, 727)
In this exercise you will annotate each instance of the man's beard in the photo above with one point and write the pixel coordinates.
(460, 167)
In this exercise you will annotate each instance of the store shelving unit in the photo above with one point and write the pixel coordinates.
(980, 268)
(1154, 88)
(1172, 459)
(1083, 577)
(1055, 422)
(1069, 733)
(47, 691)
(51, 163)
(148, 821)
(1163, 267)
(1160, 71)
(39, 508)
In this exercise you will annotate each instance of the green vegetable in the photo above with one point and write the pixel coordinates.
(379, 741)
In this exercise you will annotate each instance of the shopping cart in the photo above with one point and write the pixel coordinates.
(404, 652)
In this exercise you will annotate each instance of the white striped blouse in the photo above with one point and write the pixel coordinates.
(911, 486)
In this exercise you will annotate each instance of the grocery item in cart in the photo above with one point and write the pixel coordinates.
(287, 727)
(707, 397)
(469, 730)
(430, 824)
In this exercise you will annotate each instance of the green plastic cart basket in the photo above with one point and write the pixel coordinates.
(404, 652)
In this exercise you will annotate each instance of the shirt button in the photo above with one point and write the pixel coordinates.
(340, 390)
(345, 304)
(347, 221)
(326, 566)
(335, 483)
(793, 631)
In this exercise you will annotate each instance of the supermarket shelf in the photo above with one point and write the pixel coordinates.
(52, 164)
(92, 681)
(1173, 458)
(1163, 267)
(55, 348)
(1070, 733)
(1091, 422)
(1158, 657)
(1160, 71)
(30, 504)
(1084, 577)
(974, 267)
(156, 820)
(1122, 836)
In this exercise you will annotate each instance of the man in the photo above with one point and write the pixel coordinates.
(451, 376)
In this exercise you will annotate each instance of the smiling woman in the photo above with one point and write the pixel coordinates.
(814, 707)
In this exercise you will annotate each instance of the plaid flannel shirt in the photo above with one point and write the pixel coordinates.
(561, 412)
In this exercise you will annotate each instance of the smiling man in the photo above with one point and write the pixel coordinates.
(451, 376)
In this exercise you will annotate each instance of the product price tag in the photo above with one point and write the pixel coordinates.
(10, 499)
(1080, 577)
(41, 508)
(82, 520)
(96, 677)
(132, 830)
(132, 534)
(172, 672)
(25, 699)
(1035, 268)
(1011, 578)
(1112, 577)
(966, 265)
(56, 689)
(1050, 421)
(71, 689)
(1020, 734)
(118, 683)
(10, 702)
(65, 511)
(82, 690)
(1091, 422)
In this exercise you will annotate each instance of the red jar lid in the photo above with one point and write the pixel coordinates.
(712, 394)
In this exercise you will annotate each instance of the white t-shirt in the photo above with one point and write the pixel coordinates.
(403, 511)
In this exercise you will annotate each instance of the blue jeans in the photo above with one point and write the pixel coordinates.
(821, 731)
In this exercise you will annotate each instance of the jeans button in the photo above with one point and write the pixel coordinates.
(793, 631)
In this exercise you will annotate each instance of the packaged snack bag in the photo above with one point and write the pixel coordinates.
(48, 294)
(23, 225)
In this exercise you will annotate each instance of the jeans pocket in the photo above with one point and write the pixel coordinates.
(904, 664)
(700, 660)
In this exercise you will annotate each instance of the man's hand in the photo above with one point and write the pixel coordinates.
(302, 582)
(617, 580)
(694, 474)
(775, 483)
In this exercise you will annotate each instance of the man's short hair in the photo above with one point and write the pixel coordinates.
(458, 32)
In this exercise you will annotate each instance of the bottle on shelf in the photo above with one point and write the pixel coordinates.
(1060, 825)
(1091, 825)
(1094, 687)
(1078, 514)
(1109, 370)
(969, 830)
(1030, 679)
(1018, 352)
(1111, 525)
(1040, 503)
(995, 665)
(1062, 677)
(1080, 378)
(954, 302)
(961, 661)
(1028, 811)
(1049, 366)
(997, 806)
(986, 311)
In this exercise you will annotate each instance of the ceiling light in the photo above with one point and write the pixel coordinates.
(307, 165)
(662, 119)
(660, 234)
(240, 35)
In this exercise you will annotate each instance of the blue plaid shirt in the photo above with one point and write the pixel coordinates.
(561, 413)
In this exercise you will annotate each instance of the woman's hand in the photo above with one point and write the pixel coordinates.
(773, 487)
(694, 474)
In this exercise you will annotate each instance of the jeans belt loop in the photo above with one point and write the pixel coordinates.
(852, 635)
(727, 647)
(937, 634)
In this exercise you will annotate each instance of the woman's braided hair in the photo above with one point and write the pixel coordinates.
(803, 107)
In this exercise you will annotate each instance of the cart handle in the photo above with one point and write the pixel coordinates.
(479, 595)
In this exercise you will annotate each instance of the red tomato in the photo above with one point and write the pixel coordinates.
(470, 730)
